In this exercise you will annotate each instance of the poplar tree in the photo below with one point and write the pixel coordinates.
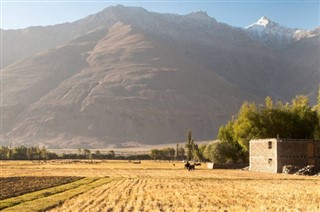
(189, 146)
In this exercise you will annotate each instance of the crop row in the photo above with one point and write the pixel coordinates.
(138, 194)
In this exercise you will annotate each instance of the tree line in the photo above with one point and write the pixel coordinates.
(41, 153)
(26, 153)
(191, 151)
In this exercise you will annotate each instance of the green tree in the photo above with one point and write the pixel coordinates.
(97, 154)
(220, 152)
(5, 153)
(168, 153)
(87, 153)
(155, 154)
(43, 153)
(316, 108)
(181, 153)
(295, 120)
(318, 102)
(79, 155)
(201, 152)
(246, 126)
(177, 152)
(189, 145)
(226, 133)
(304, 118)
(196, 153)
(112, 154)
(19, 153)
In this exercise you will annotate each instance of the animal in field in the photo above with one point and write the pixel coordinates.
(186, 165)
(197, 164)
(191, 167)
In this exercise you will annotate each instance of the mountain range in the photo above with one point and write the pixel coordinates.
(126, 76)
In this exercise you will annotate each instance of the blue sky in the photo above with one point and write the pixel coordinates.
(295, 14)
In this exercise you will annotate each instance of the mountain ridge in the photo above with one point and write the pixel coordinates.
(271, 32)
(129, 75)
(21, 41)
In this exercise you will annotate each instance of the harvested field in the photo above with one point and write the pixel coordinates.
(127, 169)
(15, 186)
(52, 197)
(162, 186)
(197, 195)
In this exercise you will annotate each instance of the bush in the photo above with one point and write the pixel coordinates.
(221, 152)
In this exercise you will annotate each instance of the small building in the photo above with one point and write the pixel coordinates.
(270, 155)
(210, 165)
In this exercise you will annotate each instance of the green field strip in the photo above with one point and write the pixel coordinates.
(45, 203)
(43, 193)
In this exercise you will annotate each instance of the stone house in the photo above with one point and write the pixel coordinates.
(270, 155)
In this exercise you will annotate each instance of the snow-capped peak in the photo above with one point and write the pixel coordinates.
(271, 32)
(264, 20)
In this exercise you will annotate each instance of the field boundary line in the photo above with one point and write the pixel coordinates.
(13, 201)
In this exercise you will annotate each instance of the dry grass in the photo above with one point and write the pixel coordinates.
(127, 169)
(160, 186)
(198, 195)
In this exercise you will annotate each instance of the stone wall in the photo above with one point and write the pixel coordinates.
(292, 152)
(271, 157)
(263, 155)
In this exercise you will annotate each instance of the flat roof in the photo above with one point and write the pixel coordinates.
(283, 140)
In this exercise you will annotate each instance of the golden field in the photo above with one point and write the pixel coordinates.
(160, 186)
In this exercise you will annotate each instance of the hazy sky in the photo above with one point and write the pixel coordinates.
(295, 14)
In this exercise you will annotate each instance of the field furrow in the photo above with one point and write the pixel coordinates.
(177, 195)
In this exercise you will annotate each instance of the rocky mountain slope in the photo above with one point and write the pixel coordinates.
(127, 75)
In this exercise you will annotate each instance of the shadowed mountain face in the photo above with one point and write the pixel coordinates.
(129, 75)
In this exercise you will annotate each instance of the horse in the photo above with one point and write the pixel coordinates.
(191, 167)
(186, 165)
